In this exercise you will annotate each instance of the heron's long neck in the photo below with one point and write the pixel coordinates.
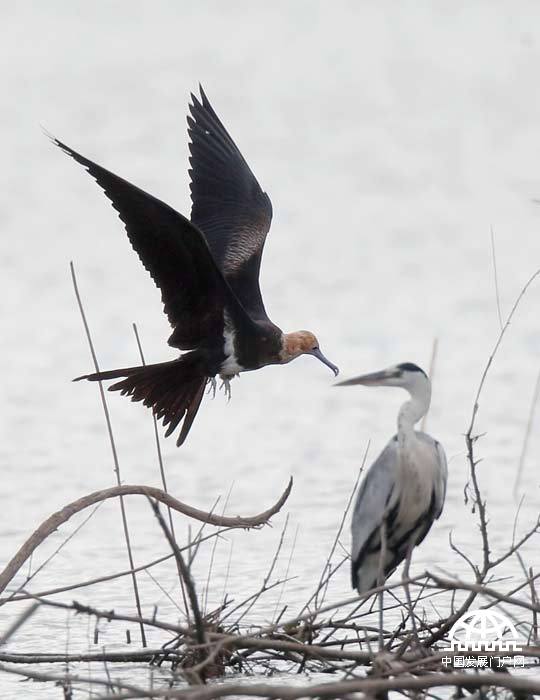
(412, 411)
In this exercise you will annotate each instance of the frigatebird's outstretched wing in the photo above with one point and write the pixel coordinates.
(175, 253)
(229, 206)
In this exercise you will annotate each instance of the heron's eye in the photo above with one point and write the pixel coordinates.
(315, 347)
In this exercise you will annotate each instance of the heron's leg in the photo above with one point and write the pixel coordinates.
(380, 595)
(406, 588)
(212, 386)
(380, 582)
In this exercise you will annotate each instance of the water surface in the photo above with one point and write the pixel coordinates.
(392, 140)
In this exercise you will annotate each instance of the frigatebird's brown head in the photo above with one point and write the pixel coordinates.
(303, 343)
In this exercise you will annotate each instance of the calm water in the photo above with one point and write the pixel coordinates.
(391, 139)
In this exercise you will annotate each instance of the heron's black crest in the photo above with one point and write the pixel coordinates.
(411, 367)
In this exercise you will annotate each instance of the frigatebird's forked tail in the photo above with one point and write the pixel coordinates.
(173, 390)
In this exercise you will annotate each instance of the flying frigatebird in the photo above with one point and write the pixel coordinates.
(207, 269)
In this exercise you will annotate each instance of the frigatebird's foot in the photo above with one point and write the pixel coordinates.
(212, 386)
(226, 385)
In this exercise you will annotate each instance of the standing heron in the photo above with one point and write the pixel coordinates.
(207, 268)
(404, 489)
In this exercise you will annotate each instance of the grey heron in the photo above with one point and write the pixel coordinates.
(403, 492)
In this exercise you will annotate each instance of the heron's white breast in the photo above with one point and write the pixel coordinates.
(417, 474)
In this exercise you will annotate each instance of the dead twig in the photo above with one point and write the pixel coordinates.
(113, 450)
(528, 429)
(161, 466)
(188, 584)
(60, 517)
(19, 622)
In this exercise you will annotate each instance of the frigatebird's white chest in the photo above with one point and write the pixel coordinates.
(230, 367)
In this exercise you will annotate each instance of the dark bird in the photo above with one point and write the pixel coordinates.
(404, 488)
(207, 269)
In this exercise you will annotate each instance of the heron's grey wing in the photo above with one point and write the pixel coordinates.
(440, 472)
(375, 498)
(440, 485)
(229, 206)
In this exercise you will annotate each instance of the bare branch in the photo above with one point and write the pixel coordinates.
(60, 517)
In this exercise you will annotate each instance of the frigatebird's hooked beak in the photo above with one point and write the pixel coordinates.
(318, 354)
(373, 379)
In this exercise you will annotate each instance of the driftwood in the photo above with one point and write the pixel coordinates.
(521, 687)
(62, 516)
(340, 689)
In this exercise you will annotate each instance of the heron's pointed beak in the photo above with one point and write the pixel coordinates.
(318, 354)
(373, 379)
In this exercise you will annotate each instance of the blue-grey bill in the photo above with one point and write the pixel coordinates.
(318, 354)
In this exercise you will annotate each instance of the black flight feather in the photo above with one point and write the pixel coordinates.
(229, 206)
